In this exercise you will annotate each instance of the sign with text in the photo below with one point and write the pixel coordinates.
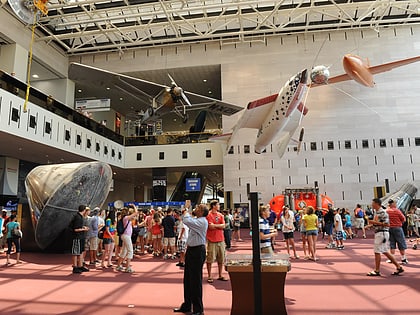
(192, 184)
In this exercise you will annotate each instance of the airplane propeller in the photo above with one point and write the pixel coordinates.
(178, 91)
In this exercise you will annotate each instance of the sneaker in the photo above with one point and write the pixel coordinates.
(173, 257)
(165, 257)
(119, 268)
(83, 269)
(404, 261)
(180, 264)
(76, 270)
(340, 247)
(414, 246)
(128, 270)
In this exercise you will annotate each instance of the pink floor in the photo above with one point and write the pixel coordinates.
(336, 284)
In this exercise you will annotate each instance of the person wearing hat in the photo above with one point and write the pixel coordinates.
(396, 233)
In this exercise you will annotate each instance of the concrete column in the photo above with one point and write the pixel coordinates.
(14, 59)
(9, 175)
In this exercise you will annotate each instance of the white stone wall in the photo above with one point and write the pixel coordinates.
(254, 70)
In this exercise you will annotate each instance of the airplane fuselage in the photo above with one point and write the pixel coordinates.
(357, 70)
(285, 114)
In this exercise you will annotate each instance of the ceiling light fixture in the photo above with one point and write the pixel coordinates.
(79, 90)
(204, 80)
(121, 98)
(35, 76)
(108, 88)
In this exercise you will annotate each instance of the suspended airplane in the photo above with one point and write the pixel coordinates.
(278, 116)
(155, 100)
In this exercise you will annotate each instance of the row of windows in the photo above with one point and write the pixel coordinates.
(32, 123)
(341, 179)
(184, 155)
(346, 144)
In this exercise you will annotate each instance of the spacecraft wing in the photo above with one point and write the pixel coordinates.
(391, 65)
(336, 79)
(256, 112)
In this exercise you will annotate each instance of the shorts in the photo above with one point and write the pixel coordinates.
(149, 235)
(381, 243)
(312, 232)
(347, 225)
(93, 243)
(156, 236)
(87, 244)
(169, 241)
(182, 246)
(215, 252)
(329, 228)
(338, 235)
(396, 237)
(288, 235)
(267, 250)
(107, 241)
(359, 223)
(142, 231)
(236, 227)
(77, 246)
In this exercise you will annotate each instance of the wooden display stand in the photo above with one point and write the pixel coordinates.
(272, 282)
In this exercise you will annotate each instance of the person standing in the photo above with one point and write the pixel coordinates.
(78, 243)
(194, 260)
(288, 227)
(236, 235)
(168, 224)
(127, 252)
(359, 223)
(228, 229)
(215, 240)
(92, 234)
(310, 220)
(396, 233)
(329, 225)
(182, 239)
(266, 234)
(12, 239)
(338, 230)
(380, 223)
(108, 239)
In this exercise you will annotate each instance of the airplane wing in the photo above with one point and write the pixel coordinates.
(391, 65)
(143, 90)
(256, 112)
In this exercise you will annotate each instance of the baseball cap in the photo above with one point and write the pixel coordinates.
(390, 201)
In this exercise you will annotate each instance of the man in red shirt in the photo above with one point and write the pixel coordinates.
(396, 233)
(215, 240)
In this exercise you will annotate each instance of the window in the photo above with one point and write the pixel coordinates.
(400, 142)
(246, 148)
(105, 150)
(161, 155)
(47, 127)
(330, 145)
(139, 156)
(78, 139)
(88, 143)
(185, 154)
(32, 121)
(98, 147)
(417, 141)
(208, 153)
(347, 144)
(15, 114)
(113, 153)
(365, 144)
(313, 146)
(119, 155)
(67, 135)
(382, 143)
(230, 150)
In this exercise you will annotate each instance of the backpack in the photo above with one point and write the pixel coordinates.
(120, 227)
(360, 213)
(101, 232)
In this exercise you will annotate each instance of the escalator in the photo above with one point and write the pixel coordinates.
(190, 186)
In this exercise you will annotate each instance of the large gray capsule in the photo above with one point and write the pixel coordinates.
(56, 191)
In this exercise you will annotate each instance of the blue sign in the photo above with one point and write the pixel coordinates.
(192, 184)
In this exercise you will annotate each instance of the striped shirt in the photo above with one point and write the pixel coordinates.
(265, 229)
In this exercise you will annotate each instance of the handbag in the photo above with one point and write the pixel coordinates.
(101, 232)
(16, 232)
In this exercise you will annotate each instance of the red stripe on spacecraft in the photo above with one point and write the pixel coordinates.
(262, 101)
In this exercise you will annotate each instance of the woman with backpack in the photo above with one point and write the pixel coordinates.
(359, 215)
(13, 237)
(108, 239)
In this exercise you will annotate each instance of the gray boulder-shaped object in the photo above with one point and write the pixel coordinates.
(56, 191)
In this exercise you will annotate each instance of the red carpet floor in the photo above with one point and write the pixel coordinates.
(336, 284)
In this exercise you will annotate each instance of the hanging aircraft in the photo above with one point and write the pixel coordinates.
(155, 100)
(278, 116)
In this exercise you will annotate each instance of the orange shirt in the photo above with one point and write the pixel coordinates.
(215, 235)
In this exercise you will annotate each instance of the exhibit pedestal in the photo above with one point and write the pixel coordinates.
(273, 276)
